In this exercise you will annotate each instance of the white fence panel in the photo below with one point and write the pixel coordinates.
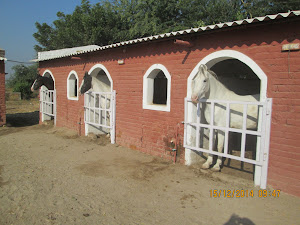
(194, 129)
(100, 110)
(48, 102)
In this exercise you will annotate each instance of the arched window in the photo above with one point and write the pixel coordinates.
(157, 88)
(72, 86)
(160, 87)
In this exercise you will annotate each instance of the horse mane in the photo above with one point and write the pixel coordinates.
(213, 74)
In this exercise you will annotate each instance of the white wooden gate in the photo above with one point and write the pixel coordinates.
(100, 111)
(48, 103)
(197, 126)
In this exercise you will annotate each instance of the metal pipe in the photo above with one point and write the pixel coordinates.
(174, 150)
(79, 124)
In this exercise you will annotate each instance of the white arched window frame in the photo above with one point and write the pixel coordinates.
(72, 86)
(148, 88)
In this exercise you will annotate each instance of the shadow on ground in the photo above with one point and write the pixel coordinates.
(22, 119)
(236, 220)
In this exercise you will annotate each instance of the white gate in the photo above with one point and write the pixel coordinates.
(48, 103)
(100, 111)
(196, 127)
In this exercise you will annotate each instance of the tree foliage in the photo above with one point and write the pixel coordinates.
(22, 79)
(114, 21)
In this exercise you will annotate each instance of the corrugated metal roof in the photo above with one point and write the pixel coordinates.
(60, 53)
(42, 56)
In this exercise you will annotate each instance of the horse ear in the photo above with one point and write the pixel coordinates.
(203, 69)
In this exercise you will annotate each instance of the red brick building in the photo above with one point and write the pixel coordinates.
(2, 88)
(266, 47)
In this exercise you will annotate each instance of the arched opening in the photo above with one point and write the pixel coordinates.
(101, 82)
(242, 75)
(49, 74)
(222, 55)
(237, 77)
(50, 97)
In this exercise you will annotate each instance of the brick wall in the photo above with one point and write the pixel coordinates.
(150, 131)
(2, 93)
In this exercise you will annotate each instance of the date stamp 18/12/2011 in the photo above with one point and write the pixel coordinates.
(227, 193)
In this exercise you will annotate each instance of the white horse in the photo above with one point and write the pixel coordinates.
(206, 85)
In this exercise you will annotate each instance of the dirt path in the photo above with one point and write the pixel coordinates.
(51, 176)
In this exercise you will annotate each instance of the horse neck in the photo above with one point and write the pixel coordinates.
(95, 86)
(98, 86)
(217, 90)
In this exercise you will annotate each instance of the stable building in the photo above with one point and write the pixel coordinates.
(150, 88)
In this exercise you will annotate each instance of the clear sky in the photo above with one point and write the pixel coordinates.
(18, 19)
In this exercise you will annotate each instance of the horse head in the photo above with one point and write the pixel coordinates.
(40, 81)
(86, 83)
(200, 83)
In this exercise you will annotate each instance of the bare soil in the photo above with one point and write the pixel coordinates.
(49, 175)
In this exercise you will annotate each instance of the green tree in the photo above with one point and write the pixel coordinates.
(22, 79)
(281, 6)
(114, 21)
(88, 24)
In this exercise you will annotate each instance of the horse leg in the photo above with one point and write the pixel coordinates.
(208, 162)
(216, 167)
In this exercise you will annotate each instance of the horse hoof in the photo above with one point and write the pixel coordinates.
(215, 169)
(205, 166)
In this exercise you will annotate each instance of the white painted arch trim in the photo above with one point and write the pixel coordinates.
(219, 56)
(148, 81)
(68, 85)
(43, 88)
(99, 67)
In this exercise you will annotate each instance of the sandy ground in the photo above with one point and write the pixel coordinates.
(49, 175)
